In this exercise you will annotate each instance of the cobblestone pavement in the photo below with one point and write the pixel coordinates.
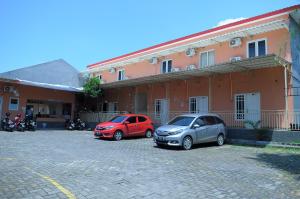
(135, 168)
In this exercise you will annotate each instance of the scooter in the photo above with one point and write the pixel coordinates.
(19, 124)
(7, 124)
(30, 124)
(77, 125)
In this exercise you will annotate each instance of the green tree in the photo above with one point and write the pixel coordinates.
(92, 88)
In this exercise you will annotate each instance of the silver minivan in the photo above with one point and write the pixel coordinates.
(189, 129)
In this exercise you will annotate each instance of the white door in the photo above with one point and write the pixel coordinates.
(247, 108)
(1, 102)
(199, 104)
(202, 104)
(164, 111)
(252, 107)
(112, 107)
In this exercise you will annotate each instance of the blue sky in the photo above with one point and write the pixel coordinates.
(85, 32)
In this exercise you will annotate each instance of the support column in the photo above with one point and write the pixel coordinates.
(286, 97)
(209, 94)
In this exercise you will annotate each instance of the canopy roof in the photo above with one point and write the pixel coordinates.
(267, 61)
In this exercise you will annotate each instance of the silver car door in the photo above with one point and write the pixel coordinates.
(212, 128)
(201, 131)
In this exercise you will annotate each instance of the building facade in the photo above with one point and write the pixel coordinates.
(48, 90)
(245, 71)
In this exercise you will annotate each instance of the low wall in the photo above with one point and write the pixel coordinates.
(264, 135)
(50, 125)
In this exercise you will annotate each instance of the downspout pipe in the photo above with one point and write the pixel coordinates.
(286, 95)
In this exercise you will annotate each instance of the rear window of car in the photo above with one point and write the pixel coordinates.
(182, 121)
(142, 119)
(219, 121)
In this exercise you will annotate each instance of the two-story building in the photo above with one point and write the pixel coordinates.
(246, 70)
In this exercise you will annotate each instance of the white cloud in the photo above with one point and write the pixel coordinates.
(227, 21)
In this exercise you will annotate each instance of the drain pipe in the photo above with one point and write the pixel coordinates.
(286, 96)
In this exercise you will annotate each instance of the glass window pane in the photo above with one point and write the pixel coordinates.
(164, 67)
(211, 58)
(193, 105)
(132, 120)
(204, 59)
(169, 65)
(262, 48)
(251, 49)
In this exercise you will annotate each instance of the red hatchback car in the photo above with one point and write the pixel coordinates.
(126, 125)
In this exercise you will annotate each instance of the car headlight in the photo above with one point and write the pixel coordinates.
(109, 127)
(176, 132)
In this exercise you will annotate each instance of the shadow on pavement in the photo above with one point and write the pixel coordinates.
(286, 162)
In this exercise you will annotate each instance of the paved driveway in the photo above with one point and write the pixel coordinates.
(61, 164)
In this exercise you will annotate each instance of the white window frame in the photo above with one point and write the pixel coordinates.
(157, 113)
(9, 105)
(99, 76)
(190, 104)
(115, 106)
(161, 66)
(200, 53)
(235, 107)
(122, 77)
(256, 46)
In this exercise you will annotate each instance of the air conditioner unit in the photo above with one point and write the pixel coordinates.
(234, 59)
(112, 70)
(191, 67)
(190, 52)
(7, 89)
(235, 42)
(153, 60)
(175, 69)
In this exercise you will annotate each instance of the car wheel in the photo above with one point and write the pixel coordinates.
(187, 143)
(220, 140)
(118, 135)
(148, 134)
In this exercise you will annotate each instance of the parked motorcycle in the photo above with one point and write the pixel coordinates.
(7, 124)
(19, 124)
(30, 124)
(78, 124)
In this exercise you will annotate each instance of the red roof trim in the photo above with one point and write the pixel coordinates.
(200, 33)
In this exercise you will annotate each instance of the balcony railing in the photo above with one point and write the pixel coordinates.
(277, 120)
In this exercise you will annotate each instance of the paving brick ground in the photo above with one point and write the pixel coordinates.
(135, 168)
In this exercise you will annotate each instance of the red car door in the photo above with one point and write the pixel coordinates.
(131, 126)
(141, 125)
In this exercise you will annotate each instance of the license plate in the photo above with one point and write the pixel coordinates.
(160, 138)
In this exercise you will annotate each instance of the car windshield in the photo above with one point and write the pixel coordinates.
(182, 121)
(118, 119)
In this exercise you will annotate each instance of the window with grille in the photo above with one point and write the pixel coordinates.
(240, 107)
(193, 105)
(157, 108)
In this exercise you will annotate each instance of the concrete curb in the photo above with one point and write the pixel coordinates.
(262, 143)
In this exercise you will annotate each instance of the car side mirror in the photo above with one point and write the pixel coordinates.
(195, 126)
(126, 122)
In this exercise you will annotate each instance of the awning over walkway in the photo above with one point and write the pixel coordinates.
(267, 61)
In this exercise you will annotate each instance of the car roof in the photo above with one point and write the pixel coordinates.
(199, 114)
(132, 114)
